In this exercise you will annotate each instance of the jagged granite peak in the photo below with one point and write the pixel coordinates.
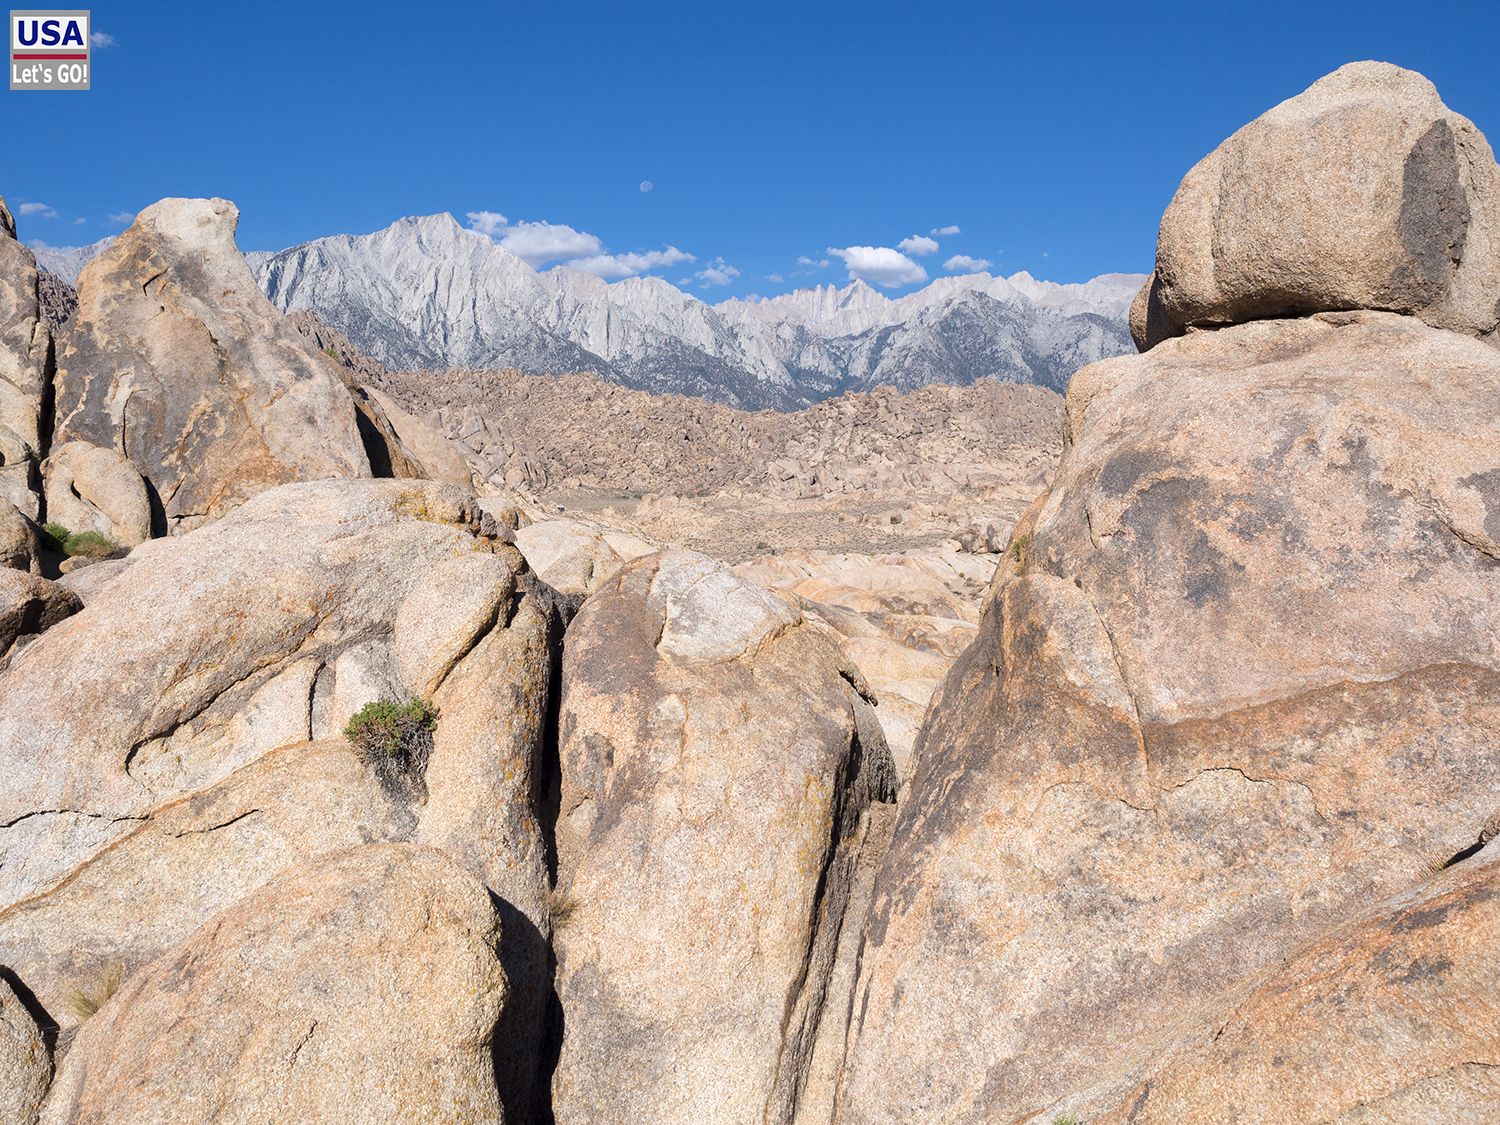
(427, 293)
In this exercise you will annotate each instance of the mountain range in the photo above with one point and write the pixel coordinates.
(428, 294)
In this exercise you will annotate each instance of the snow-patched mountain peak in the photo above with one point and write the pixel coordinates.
(429, 293)
(426, 292)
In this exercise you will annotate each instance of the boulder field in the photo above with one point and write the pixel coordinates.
(1197, 826)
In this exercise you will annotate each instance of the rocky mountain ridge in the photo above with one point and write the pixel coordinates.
(67, 262)
(428, 294)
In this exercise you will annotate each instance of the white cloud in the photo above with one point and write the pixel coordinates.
(629, 265)
(646, 185)
(123, 218)
(820, 264)
(917, 245)
(42, 209)
(102, 39)
(776, 277)
(78, 222)
(717, 272)
(962, 263)
(491, 223)
(944, 232)
(537, 243)
(883, 265)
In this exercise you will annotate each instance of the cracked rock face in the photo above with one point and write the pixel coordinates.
(152, 776)
(717, 771)
(363, 986)
(177, 360)
(1391, 1019)
(185, 861)
(1363, 192)
(266, 628)
(1239, 681)
(26, 367)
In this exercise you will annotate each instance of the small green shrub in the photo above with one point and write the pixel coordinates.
(89, 544)
(394, 739)
(84, 1004)
(1018, 551)
(55, 534)
(1068, 1120)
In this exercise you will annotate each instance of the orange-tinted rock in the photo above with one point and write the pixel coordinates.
(1239, 679)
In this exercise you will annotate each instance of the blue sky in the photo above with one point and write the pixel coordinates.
(1050, 134)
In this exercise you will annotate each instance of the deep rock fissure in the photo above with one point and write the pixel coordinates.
(865, 777)
(546, 801)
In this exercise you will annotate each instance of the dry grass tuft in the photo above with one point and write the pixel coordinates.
(84, 1004)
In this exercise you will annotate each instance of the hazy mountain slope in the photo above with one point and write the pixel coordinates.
(67, 262)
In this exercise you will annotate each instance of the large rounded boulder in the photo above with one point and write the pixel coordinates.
(1239, 680)
(363, 987)
(1363, 192)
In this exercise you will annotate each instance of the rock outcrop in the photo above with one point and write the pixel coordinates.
(576, 557)
(399, 444)
(336, 346)
(432, 455)
(20, 539)
(93, 489)
(26, 370)
(29, 605)
(903, 620)
(1391, 1019)
(1233, 701)
(57, 300)
(1363, 192)
(25, 1062)
(271, 627)
(177, 360)
(718, 765)
(363, 987)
